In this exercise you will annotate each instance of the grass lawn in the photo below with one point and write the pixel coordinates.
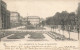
(18, 35)
(36, 35)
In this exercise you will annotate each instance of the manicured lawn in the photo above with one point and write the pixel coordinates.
(18, 35)
(36, 35)
(4, 33)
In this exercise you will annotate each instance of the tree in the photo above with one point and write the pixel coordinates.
(78, 19)
(43, 23)
(28, 23)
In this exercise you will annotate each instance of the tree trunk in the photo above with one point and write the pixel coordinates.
(69, 34)
(78, 34)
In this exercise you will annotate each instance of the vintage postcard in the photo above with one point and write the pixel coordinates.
(39, 24)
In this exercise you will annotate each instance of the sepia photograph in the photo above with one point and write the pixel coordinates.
(40, 24)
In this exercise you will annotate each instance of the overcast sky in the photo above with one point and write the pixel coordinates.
(42, 8)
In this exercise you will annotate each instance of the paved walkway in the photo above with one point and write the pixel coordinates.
(16, 28)
(5, 38)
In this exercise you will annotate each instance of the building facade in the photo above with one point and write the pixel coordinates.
(34, 20)
(14, 19)
(3, 15)
(8, 25)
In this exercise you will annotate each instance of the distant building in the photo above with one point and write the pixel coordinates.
(3, 15)
(14, 18)
(34, 20)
